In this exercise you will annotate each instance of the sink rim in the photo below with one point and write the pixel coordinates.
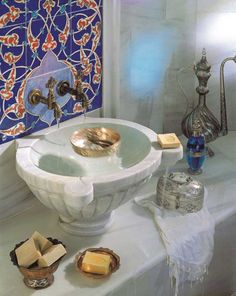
(38, 150)
(149, 162)
(148, 165)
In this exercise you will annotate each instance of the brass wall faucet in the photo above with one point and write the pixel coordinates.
(64, 88)
(35, 97)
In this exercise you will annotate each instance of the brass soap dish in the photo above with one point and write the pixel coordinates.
(95, 141)
(114, 266)
(37, 277)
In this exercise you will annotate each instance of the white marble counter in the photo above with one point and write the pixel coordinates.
(133, 236)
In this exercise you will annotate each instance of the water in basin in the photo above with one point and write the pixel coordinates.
(53, 152)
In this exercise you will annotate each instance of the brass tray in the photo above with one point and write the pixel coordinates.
(95, 141)
(114, 266)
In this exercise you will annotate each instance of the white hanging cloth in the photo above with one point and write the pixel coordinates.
(188, 239)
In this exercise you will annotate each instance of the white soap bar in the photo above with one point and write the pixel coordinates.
(51, 255)
(27, 253)
(168, 140)
(42, 242)
(96, 263)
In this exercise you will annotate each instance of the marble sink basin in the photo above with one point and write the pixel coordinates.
(84, 191)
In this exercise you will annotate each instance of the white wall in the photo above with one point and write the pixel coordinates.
(216, 23)
(157, 40)
(160, 41)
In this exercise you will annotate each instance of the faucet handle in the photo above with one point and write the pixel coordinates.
(80, 94)
(79, 77)
(51, 95)
(51, 83)
(80, 74)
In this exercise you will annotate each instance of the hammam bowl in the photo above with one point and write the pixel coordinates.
(95, 142)
(84, 191)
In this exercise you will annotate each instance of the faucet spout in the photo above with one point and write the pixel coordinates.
(84, 100)
(64, 88)
(57, 111)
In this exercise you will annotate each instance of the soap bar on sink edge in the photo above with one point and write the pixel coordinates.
(168, 140)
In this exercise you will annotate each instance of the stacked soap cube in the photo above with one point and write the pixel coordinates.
(38, 249)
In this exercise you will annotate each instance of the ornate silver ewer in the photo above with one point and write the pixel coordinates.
(211, 128)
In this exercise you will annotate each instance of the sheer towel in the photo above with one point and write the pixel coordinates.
(188, 239)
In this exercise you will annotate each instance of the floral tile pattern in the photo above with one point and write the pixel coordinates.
(12, 52)
(80, 5)
(12, 113)
(46, 9)
(86, 35)
(12, 12)
(40, 39)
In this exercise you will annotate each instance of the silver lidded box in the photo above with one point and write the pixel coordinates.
(178, 191)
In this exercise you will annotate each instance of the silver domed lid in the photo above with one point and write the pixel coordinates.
(178, 191)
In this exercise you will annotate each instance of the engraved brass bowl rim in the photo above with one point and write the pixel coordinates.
(114, 266)
(100, 141)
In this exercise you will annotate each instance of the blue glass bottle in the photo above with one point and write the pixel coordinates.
(196, 151)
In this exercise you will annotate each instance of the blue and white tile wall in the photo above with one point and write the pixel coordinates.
(44, 38)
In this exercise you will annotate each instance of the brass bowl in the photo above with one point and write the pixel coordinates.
(114, 266)
(95, 141)
(37, 277)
